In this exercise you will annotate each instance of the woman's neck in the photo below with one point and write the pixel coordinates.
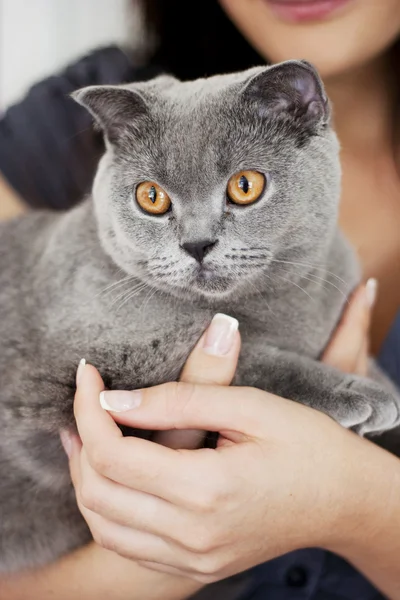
(364, 105)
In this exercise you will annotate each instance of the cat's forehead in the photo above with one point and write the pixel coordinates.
(198, 130)
(208, 126)
(204, 112)
(189, 93)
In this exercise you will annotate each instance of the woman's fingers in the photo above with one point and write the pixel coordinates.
(185, 405)
(134, 462)
(148, 467)
(120, 535)
(72, 446)
(88, 413)
(138, 545)
(131, 508)
(125, 519)
(361, 367)
(212, 361)
(348, 348)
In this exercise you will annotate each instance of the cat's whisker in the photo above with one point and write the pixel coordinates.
(153, 291)
(255, 249)
(317, 279)
(127, 295)
(124, 299)
(118, 283)
(298, 286)
(308, 278)
(341, 292)
(311, 265)
(268, 305)
(130, 290)
(253, 285)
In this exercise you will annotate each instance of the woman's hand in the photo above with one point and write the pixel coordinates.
(272, 485)
(348, 348)
(213, 361)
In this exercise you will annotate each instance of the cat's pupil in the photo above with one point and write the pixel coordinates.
(244, 184)
(152, 194)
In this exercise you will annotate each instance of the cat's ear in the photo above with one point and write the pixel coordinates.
(292, 87)
(113, 108)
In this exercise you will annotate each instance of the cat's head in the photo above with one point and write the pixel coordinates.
(205, 184)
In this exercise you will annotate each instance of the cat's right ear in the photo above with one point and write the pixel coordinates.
(293, 88)
(114, 108)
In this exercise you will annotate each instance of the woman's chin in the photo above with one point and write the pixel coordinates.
(337, 36)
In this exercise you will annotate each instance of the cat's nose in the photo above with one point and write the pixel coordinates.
(198, 249)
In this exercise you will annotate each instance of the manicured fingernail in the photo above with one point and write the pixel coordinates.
(120, 401)
(371, 290)
(66, 441)
(220, 335)
(81, 368)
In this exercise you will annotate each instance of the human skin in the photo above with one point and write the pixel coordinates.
(341, 43)
(10, 204)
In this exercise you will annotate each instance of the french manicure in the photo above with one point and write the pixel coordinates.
(120, 401)
(371, 289)
(220, 335)
(79, 372)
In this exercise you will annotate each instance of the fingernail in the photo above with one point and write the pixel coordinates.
(81, 368)
(66, 442)
(371, 289)
(120, 401)
(220, 335)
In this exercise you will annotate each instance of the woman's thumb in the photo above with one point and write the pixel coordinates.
(213, 361)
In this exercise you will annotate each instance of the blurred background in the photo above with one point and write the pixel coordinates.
(39, 37)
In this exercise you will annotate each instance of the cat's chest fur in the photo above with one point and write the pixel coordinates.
(142, 343)
(143, 339)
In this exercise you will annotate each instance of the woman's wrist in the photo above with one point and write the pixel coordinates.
(363, 485)
(366, 531)
(92, 572)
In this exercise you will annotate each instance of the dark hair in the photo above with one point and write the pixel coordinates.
(195, 38)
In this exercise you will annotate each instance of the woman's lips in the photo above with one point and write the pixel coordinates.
(305, 10)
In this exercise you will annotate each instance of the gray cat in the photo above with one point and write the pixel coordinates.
(218, 195)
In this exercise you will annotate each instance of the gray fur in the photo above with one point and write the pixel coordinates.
(280, 266)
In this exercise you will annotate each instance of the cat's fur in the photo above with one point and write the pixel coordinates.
(280, 266)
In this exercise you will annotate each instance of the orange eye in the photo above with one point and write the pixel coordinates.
(152, 198)
(245, 187)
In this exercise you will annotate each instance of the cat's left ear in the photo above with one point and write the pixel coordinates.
(114, 108)
(293, 88)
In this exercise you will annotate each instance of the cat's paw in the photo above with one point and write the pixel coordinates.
(366, 407)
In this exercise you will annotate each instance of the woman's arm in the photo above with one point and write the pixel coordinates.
(290, 476)
(94, 573)
(371, 540)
